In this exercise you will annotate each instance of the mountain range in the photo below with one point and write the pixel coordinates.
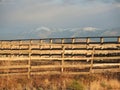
(45, 32)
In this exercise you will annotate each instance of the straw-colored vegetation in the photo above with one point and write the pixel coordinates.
(58, 82)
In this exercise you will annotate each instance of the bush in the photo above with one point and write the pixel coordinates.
(75, 85)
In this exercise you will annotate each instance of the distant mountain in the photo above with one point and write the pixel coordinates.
(111, 32)
(44, 32)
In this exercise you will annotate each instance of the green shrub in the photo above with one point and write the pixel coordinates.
(75, 85)
(103, 84)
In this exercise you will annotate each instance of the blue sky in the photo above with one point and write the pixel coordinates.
(20, 16)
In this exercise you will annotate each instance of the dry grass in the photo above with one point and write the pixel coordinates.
(112, 84)
(58, 82)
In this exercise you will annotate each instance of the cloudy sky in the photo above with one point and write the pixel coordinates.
(17, 17)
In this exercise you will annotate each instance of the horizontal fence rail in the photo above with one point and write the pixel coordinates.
(84, 55)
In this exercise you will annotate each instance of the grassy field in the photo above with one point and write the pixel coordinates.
(58, 82)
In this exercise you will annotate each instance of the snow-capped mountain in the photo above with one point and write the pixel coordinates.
(45, 32)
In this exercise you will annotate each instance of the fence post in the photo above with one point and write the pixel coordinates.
(0, 44)
(63, 52)
(29, 62)
(40, 46)
(88, 40)
(11, 49)
(8, 62)
(50, 47)
(51, 41)
(92, 59)
(73, 40)
(118, 39)
(101, 40)
(62, 41)
(119, 42)
(19, 48)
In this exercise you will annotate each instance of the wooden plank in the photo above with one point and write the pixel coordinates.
(94, 65)
(46, 66)
(67, 73)
(14, 66)
(16, 70)
(106, 70)
(75, 45)
(46, 72)
(106, 51)
(77, 51)
(106, 64)
(76, 73)
(13, 74)
(14, 51)
(14, 58)
(56, 44)
(80, 66)
(40, 58)
(58, 51)
(59, 66)
(106, 58)
(26, 41)
(82, 58)
(57, 72)
(104, 46)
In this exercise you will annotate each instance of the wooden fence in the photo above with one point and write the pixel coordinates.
(81, 55)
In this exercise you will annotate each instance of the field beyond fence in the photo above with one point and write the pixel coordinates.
(73, 56)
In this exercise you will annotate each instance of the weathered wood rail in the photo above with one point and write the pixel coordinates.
(81, 55)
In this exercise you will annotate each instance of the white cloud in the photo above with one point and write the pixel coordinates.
(90, 29)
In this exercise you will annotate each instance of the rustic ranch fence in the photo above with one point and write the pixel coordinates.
(80, 55)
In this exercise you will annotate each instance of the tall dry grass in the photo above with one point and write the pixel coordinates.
(58, 82)
(111, 84)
